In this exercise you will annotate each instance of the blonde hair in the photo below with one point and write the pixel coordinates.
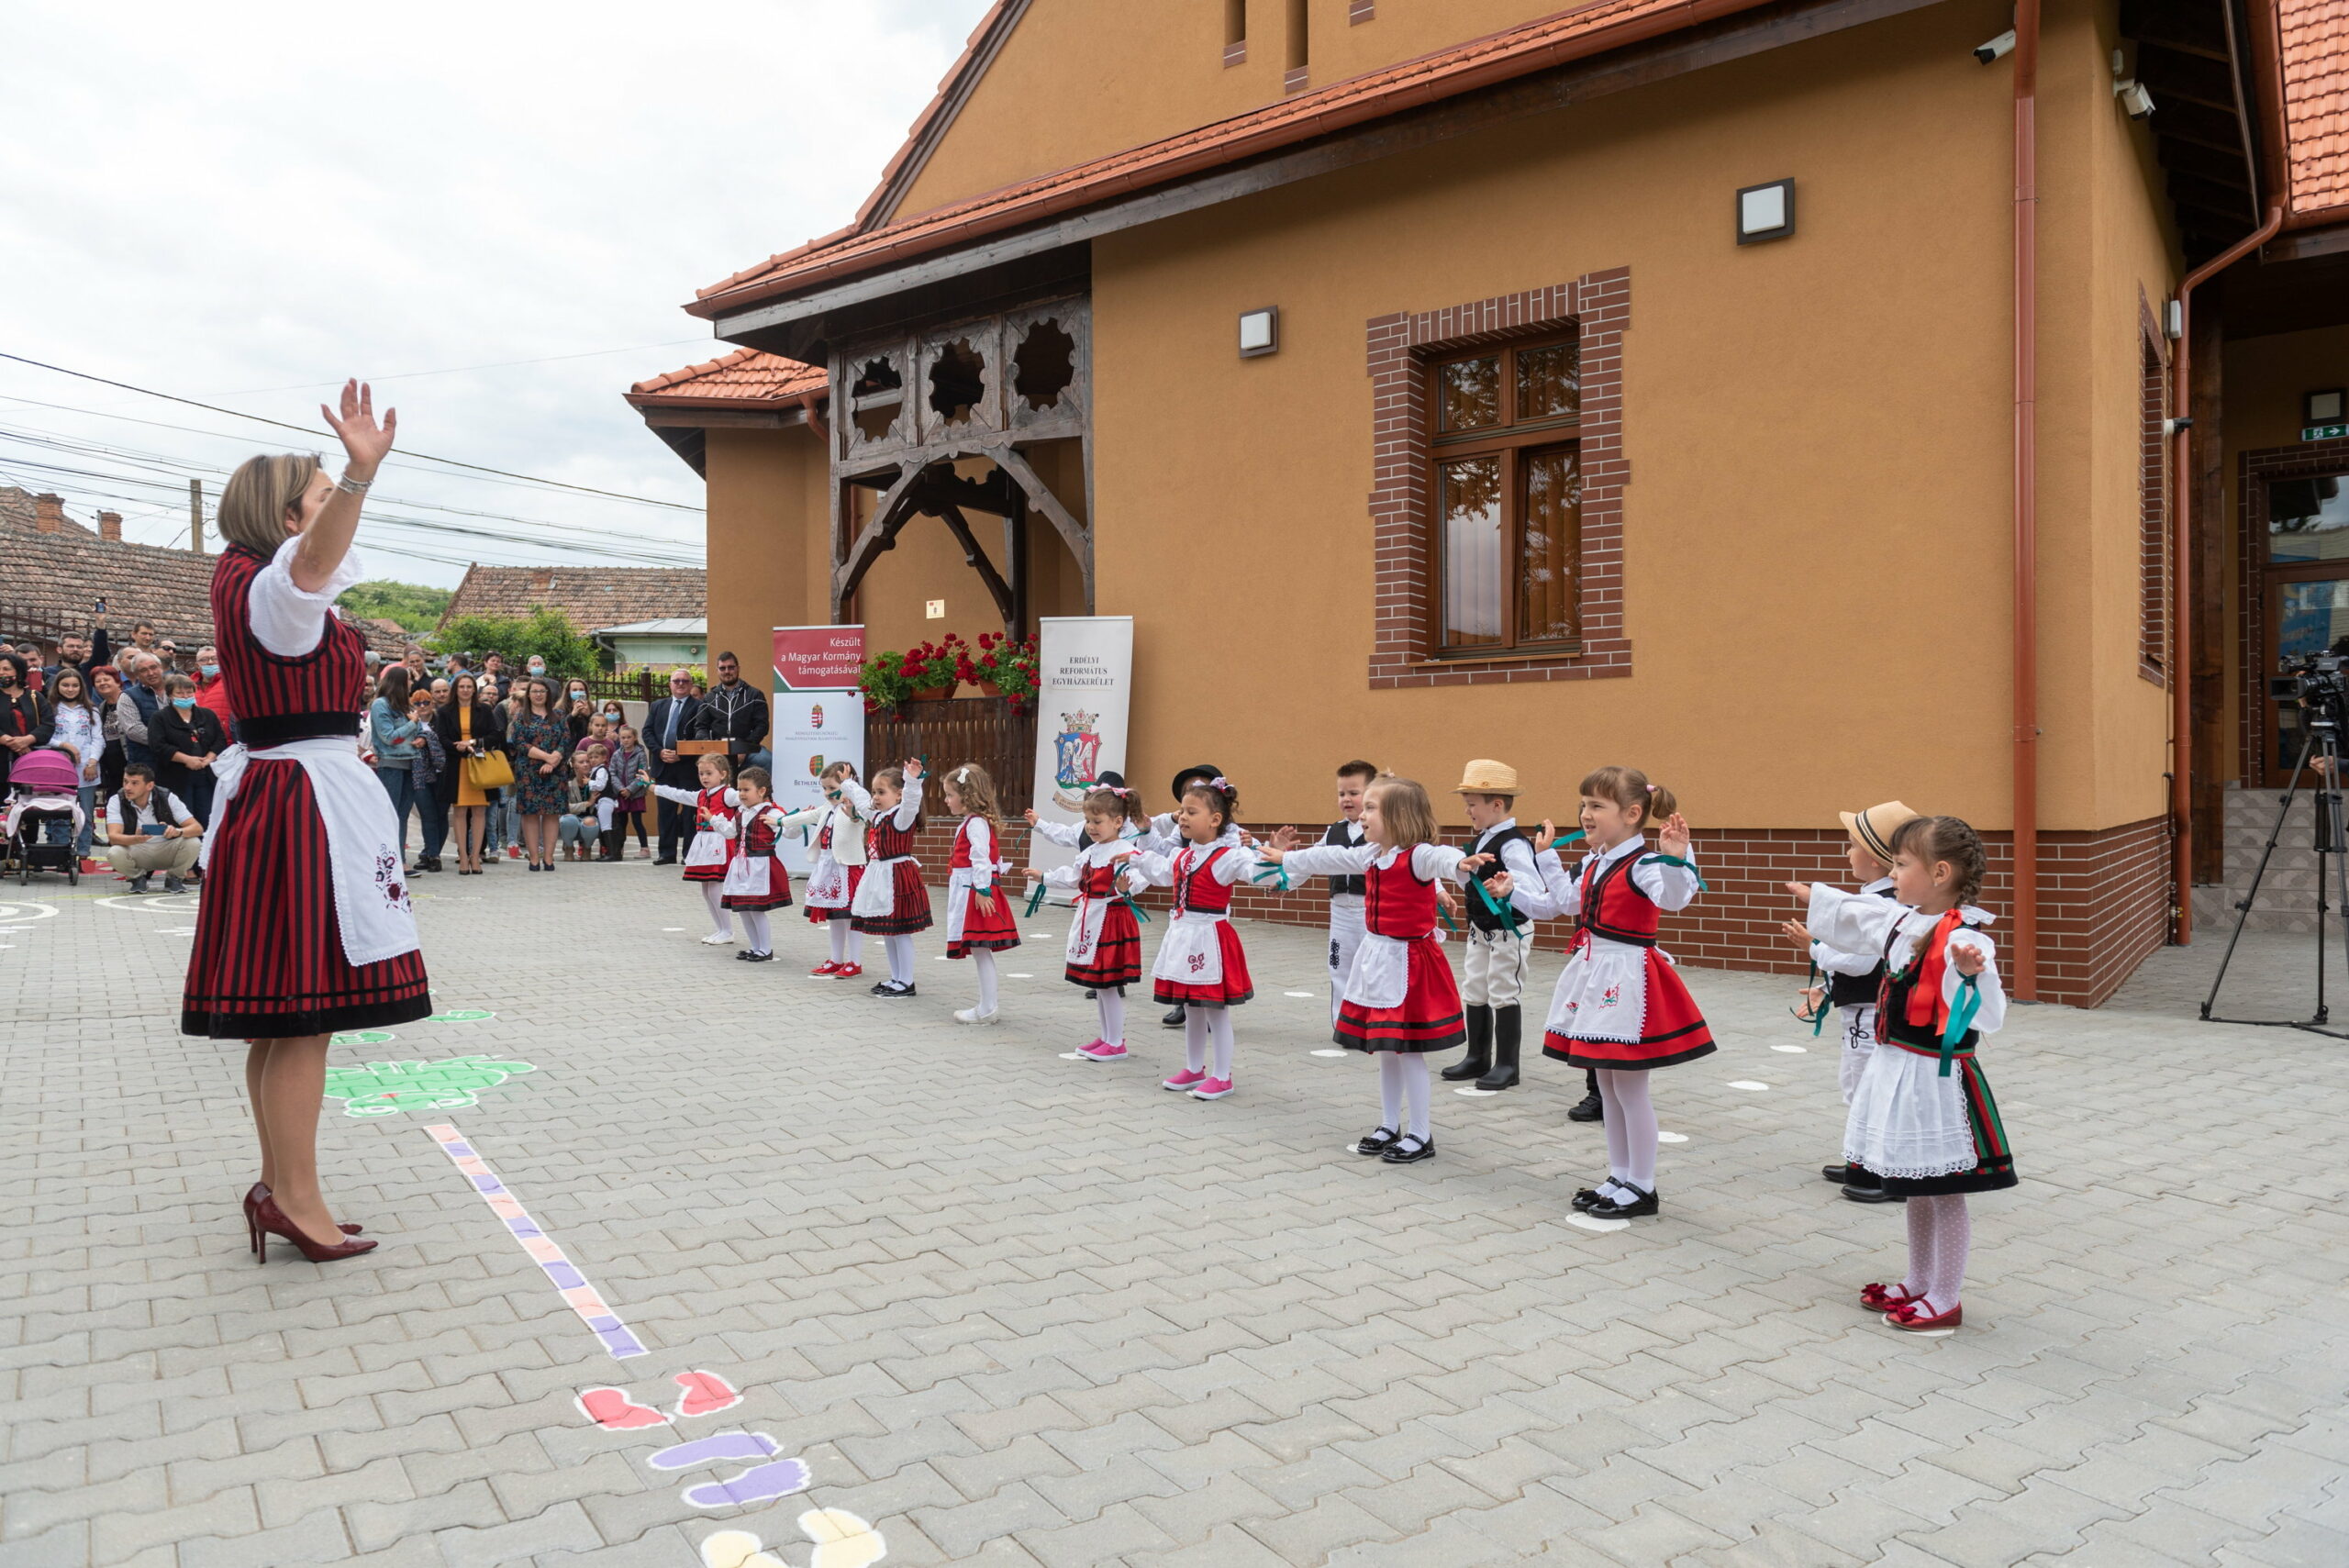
(255, 502)
(1405, 815)
(1627, 788)
(976, 786)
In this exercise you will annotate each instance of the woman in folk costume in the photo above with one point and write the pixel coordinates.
(712, 850)
(757, 882)
(304, 927)
(840, 865)
(890, 902)
(1620, 1006)
(1923, 1118)
(1201, 967)
(979, 921)
(1104, 939)
(1399, 1002)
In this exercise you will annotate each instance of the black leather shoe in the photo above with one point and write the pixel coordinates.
(1479, 1060)
(1584, 1198)
(1838, 1173)
(1174, 1018)
(1590, 1109)
(1608, 1208)
(755, 957)
(1507, 1023)
(1407, 1148)
(891, 991)
(1868, 1194)
(1376, 1141)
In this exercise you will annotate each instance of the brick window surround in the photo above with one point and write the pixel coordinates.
(2153, 498)
(1599, 306)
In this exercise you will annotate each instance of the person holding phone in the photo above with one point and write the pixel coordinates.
(149, 829)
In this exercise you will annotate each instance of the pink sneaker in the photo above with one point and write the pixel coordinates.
(1184, 1081)
(1102, 1051)
(1211, 1088)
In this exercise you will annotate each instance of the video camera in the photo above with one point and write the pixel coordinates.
(2316, 683)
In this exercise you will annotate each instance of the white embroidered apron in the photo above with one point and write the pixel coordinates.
(363, 840)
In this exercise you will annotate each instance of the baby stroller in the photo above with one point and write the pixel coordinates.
(44, 789)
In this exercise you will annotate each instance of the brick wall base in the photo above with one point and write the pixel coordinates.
(2104, 899)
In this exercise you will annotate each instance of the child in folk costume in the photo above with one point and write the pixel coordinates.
(840, 865)
(979, 921)
(1400, 1002)
(1619, 1008)
(1201, 967)
(758, 883)
(712, 850)
(1164, 837)
(1104, 939)
(1923, 1118)
(1346, 891)
(1498, 942)
(1850, 980)
(890, 901)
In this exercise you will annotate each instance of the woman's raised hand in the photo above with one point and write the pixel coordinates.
(1674, 838)
(365, 441)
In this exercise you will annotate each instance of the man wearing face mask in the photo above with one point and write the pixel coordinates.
(212, 688)
(186, 740)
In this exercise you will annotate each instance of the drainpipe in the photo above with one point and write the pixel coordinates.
(2023, 978)
(2181, 633)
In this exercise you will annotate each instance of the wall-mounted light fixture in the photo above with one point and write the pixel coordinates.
(1260, 332)
(1766, 212)
(2330, 406)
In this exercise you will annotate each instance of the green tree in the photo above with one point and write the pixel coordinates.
(416, 607)
(547, 633)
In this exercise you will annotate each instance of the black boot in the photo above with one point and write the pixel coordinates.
(611, 845)
(1509, 1023)
(1479, 1058)
(1592, 1108)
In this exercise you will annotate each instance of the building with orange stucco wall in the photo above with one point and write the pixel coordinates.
(1561, 451)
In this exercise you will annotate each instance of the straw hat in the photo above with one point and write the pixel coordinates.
(1484, 776)
(1872, 829)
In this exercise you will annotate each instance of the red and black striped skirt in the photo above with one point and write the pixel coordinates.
(268, 963)
(1117, 956)
(909, 904)
(1429, 1019)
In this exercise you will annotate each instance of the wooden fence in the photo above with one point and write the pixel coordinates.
(960, 729)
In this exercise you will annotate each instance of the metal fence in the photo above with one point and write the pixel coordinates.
(960, 729)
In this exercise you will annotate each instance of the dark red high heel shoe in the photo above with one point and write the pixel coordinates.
(254, 1193)
(270, 1220)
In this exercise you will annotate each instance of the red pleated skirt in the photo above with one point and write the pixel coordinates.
(994, 933)
(1117, 957)
(908, 906)
(1429, 1019)
(818, 913)
(268, 963)
(1671, 1031)
(1236, 988)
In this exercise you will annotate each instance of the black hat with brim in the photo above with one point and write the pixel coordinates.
(1203, 772)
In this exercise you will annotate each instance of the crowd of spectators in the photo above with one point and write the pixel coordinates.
(145, 735)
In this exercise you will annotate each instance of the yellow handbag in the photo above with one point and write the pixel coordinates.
(488, 769)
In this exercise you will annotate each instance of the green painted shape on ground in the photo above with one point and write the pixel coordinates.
(460, 1015)
(365, 1037)
(386, 1088)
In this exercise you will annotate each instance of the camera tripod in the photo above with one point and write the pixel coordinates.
(2322, 746)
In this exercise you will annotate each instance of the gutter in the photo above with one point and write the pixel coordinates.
(2024, 981)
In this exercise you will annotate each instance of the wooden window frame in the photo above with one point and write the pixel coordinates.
(2153, 498)
(1509, 440)
(2255, 472)
(1596, 307)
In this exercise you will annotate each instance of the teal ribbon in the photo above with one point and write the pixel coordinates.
(1446, 916)
(1036, 899)
(1577, 837)
(1676, 860)
(1961, 1018)
(1505, 912)
(1140, 914)
(1276, 868)
(1816, 1020)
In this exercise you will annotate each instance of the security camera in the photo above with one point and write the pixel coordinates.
(2136, 102)
(2004, 44)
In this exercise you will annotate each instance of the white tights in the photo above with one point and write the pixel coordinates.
(720, 924)
(1198, 1024)
(901, 959)
(755, 926)
(1403, 1079)
(984, 959)
(1111, 1001)
(1631, 1126)
(848, 942)
(1941, 1234)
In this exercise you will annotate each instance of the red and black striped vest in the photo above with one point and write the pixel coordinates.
(1616, 908)
(1195, 887)
(887, 841)
(277, 700)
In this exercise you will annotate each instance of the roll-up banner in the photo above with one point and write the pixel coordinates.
(1084, 667)
(818, 720)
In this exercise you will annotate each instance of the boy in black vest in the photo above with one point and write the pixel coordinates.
(1498, 937)
(1346, 892)
(1854, 980)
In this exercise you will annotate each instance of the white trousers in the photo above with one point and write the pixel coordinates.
(1345, 935)
(1859, 1044)
(1496, 969)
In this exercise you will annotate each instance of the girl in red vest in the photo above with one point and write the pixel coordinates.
(1923, 1118)
(890, 901)
(1621, 1007)
(979, 922)
(711, 853)
(1398, 999)
(1201, 967)
(757, 883)
(1103, 939)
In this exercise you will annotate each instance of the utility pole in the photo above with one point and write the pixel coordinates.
(196, 515)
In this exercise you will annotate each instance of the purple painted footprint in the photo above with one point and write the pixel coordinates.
(759, 1483)
(714, 1449)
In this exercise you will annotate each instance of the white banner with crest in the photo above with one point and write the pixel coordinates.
(1085, 670)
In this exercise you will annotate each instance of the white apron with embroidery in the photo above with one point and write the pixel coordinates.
(1085, 934)
(1381, 976)
(1192, 953)
(751, 876)
(876, 893)
(363, 840)
(1603, 995)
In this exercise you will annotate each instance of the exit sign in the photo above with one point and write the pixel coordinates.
(934, 609)
(2323, 432)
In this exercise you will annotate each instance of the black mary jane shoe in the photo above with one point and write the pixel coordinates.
(1839, 1174)
(890, 991)
(1585, 1196)
(755, 957)
(1590, 1109)
(1378, 1141)
(1608, 1208)
(742, 956)
(1408, 1147)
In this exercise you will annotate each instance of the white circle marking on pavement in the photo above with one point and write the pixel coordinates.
(1672, 1138)
(1474, 1092)
(1746, 1083)
(1009, 975)
(20, 914)
(1793, 1049)
(673, 928)
(1330, 1051)
(161, 904)
(1592, 1222)
(1296, 993)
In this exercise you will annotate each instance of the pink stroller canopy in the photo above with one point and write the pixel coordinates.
(47, 772)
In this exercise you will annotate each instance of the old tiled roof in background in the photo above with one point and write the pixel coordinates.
(49, 583)
(592, 596)
(746, 376)
(2314, 37)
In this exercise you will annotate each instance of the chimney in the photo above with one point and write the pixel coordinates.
(48, 513)
(110, 525)
(541, 579)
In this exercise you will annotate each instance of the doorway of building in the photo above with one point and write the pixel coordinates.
(2305, 571)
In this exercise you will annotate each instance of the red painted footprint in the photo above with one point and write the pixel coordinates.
(613, 1410)
(705, 1394)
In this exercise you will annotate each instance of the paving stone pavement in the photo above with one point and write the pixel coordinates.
(1015, 1309)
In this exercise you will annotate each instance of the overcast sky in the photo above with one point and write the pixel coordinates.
(236, 203)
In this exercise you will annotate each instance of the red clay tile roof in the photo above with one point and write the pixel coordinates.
(746, 376)
(1518, 51)
(592, 596)
(2314, 38)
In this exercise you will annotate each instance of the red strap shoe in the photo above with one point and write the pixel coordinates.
(848, 971)
(827, 967)
(1885, 1298)
(1914, 1317)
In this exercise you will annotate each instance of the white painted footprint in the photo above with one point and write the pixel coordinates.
(842, 1540)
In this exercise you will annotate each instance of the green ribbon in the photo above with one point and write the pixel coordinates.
(1275, 868)
(1140, 914)
(1816, 1020)
(1676, 860)
(1036, 899)
(1577, 837)
(1446, 916)
(1961, 1018)
(1505, 912)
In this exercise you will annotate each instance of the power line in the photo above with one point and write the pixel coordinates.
(305, 431)
(461, 370)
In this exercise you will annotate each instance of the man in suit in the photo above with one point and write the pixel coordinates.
(667, 722)
(735, 713)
